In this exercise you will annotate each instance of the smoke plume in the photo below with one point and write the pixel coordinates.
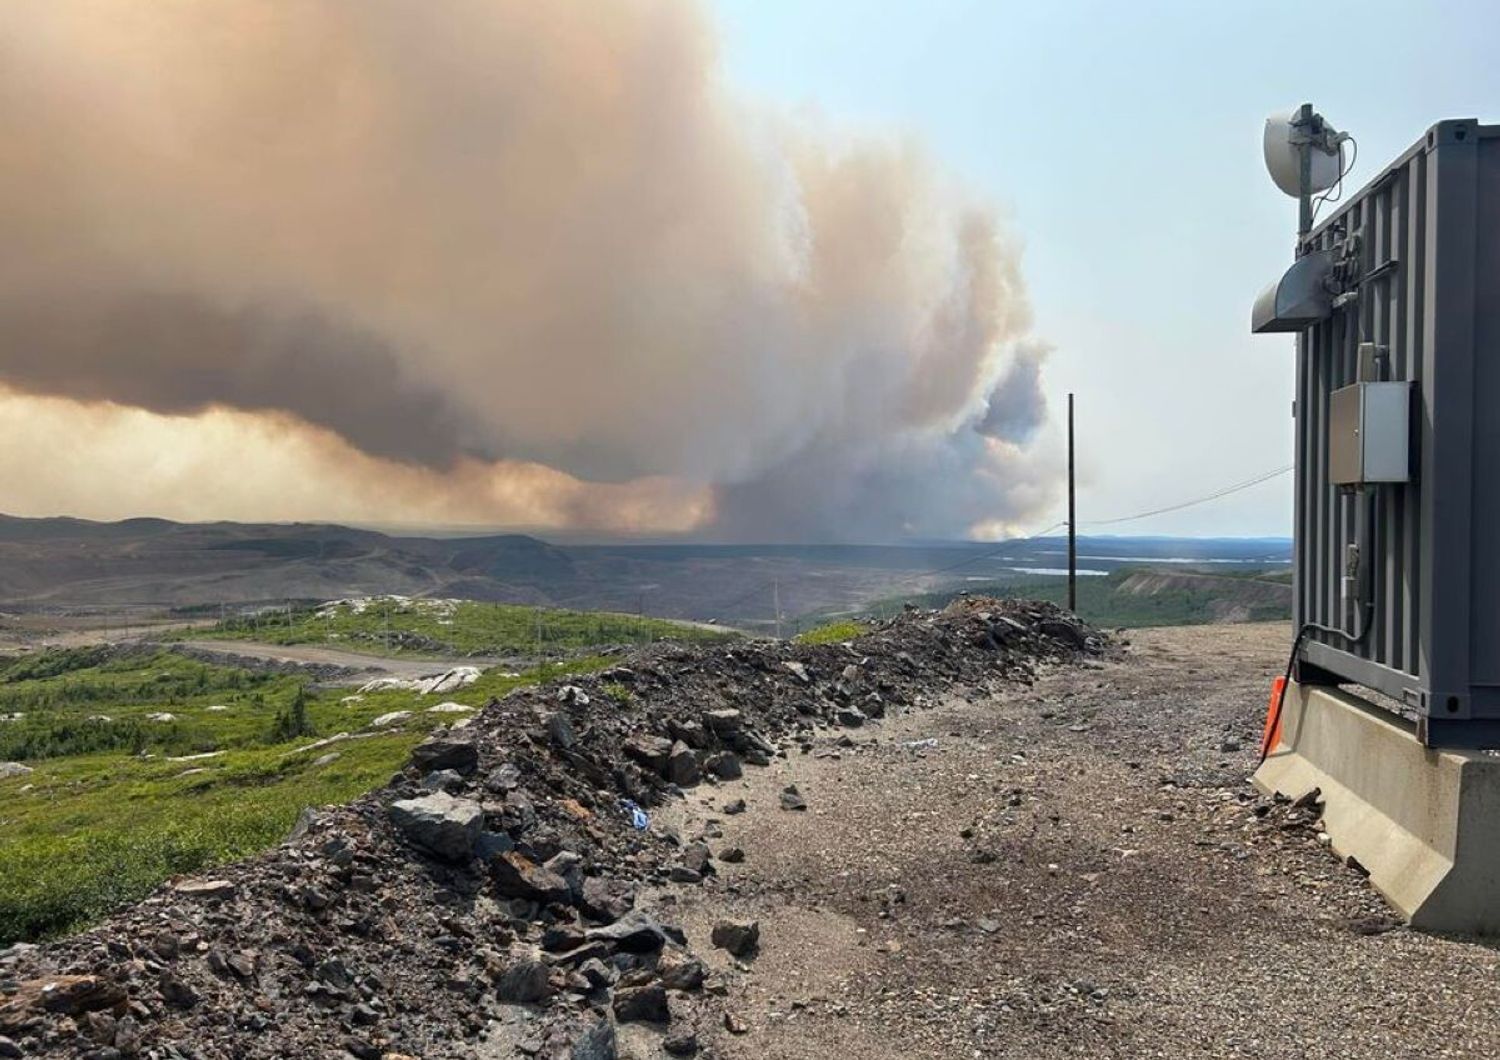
(515, 261)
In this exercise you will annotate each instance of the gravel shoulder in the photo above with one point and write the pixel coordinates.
(1079, 868)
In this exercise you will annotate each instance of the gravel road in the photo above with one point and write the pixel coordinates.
(316, 655)
(1076, 869)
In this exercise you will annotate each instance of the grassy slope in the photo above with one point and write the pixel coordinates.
(1100, 600)
(447, 627)
(90, 830)
(833, 632)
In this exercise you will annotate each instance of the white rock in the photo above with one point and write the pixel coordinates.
(197, 757)
(450, 708)
(393, 718)
(13, 769)
(163, 717)
(449, 680)
(216, 708)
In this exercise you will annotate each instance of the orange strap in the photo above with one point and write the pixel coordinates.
(1271, 735)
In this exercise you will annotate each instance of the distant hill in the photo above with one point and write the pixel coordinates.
(57, 564)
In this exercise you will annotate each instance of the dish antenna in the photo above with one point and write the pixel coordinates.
(1304, 155)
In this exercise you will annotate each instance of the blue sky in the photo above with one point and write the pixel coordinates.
(1123, 141)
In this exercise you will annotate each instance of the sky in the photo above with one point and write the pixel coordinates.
(730, 270)
(1123, 140)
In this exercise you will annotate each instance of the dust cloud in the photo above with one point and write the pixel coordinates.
(490, 260)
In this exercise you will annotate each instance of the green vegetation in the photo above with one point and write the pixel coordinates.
(1135, 597)
(833, 632)
(422, 627)
(112, 808)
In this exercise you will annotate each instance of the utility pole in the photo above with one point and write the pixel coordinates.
(1072, 521)
(776, 603)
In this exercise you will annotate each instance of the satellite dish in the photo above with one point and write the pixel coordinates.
(1286, 134)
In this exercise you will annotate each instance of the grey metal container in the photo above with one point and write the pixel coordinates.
(1418, 253)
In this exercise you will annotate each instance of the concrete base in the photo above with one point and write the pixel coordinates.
(1424, 822)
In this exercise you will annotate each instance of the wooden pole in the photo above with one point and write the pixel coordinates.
(1072, 520)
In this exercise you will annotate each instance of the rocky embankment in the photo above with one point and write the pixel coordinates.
(501, 868)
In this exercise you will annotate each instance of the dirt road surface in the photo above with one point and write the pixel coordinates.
(1076, 869)
(312, 654)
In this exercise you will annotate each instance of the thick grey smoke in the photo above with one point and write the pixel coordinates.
(508, 235)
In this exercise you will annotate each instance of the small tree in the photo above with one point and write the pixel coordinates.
(293, 721)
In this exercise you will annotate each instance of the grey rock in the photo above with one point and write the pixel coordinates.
(517, 876)
(680, 1043)
(604, 899)
(732, 856)
(596, 1043)
(560, 730)
(213, 889)
(13, 769)
(523, 983)
(646, 1003)
(651, 751)
(503, 778)
(678, 971)
(569, 866)
(725, 722)
(725, 765)
(791, 799)
(491, 845)
(682, 765)
(597, 972)
(446, 752)
(9, 1049)
(440, 824)
(358, 1047)
(698, 857)
(734, 806)
(850, 716)
(637, 932)
(442, 780)
(739, 937)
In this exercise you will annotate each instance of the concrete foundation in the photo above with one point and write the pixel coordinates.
(1424, 822)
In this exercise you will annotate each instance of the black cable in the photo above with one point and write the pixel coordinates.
(1336, 193)
(1225, 492)
(1352, 639)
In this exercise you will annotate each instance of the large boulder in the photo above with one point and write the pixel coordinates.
(440, 824)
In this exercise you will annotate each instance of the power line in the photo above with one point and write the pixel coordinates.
(1225, 492)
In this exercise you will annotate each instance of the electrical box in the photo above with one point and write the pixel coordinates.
(1369, 434)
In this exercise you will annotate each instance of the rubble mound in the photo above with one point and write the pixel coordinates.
(500, 868)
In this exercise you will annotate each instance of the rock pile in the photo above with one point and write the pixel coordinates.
(498, 874)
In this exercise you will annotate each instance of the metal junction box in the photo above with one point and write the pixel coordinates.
(1398, 455)
(1369, 434)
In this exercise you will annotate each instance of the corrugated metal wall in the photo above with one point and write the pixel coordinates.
(1428, 277)
(1390, 219)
